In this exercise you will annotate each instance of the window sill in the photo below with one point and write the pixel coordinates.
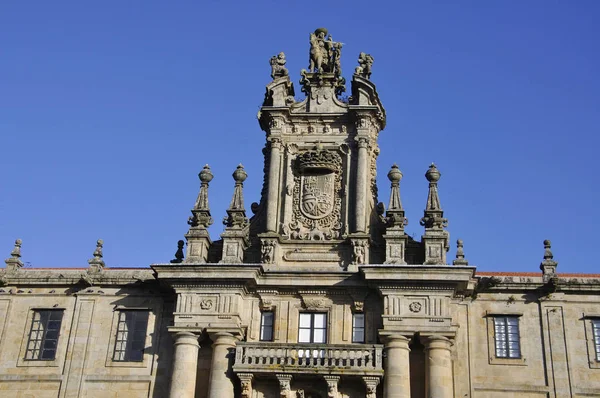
(508, 361)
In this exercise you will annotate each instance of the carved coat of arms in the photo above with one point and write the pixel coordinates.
(317, 193)
(317, 198)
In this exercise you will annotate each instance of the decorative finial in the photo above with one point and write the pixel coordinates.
(460, 254)
(200, 217)
(395, 213)
(435, 239)
(433, 217)
(278, 68)
(179, 253)
(236, 215)
(16, 252)
(548, 266)
(97, 263)
(14, 262)
(365, 64)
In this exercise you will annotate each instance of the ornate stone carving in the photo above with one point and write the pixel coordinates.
(268, 251)
(246, 384)
(359, 248)
(206, 304)
(316, 196)
(415, 306)
(325, 54)
(332, 386)
(278, 68)
(365, 64)
(285, 388)
(371, 384)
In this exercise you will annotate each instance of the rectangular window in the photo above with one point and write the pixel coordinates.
(506, 337)
(596, 331)
(358, 328)
(313, 328)
(131, 336)
(43, 335)
(266, 326)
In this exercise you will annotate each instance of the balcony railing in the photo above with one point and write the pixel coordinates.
(347, 359)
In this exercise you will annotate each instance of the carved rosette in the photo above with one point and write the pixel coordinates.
(317, 197)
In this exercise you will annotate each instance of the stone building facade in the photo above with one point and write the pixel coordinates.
(320, 293)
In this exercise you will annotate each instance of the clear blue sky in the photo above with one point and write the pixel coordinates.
(108, 111)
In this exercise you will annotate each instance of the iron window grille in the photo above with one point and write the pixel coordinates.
(43, 335)
(596, 333)
(266, 326)
(312, 328)
(131, 336)
(506, 337)
(358, 328)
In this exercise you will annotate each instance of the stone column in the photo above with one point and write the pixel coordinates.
(438, 371)
(185, 362)
(220, 384)
(362, 173)
(396, 381)
(272, 193)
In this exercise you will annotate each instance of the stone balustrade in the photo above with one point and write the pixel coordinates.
(347, 359)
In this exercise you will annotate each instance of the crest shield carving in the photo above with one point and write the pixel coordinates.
(317, 193)
(317, 199)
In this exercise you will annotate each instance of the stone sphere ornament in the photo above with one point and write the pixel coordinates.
(240, 175)
(433, 174)
(395, 175)
(205, 175)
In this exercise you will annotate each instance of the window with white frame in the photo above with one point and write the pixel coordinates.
(43, 335)
(131, 336)
(266, 326)
(596, 334)
(506, 337)
(358, 328)
(312, 327)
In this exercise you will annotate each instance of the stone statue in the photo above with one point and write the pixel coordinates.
(359, 252)
(365, 63)
(325, 54)
(278, 68)
(267, 250)
(179, 253)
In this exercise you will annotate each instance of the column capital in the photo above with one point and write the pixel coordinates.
(395, 341)
(223, 338)
(186, 338)
(438, 341)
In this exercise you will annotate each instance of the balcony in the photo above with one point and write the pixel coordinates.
(326, 359)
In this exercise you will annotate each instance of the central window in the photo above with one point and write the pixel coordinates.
(313, 328)
(506, 336)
